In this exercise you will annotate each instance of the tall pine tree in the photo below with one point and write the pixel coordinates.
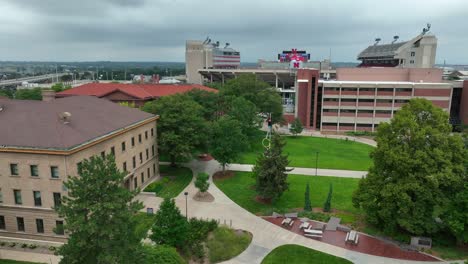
(99, 216)
(270, 170)
(307, 205)
(327, 204)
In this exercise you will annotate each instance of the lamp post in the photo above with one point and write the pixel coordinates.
(186, 207)
(316, 162)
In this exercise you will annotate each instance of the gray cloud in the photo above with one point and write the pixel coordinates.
(157, 29)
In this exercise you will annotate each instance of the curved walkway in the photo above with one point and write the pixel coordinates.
(266, 236)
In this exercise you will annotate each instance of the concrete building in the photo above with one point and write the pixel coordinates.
(42, 144)
(207, 55)
(419, 52)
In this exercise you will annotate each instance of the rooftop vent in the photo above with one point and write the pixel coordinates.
(65, 117)
(1, 108)
(377, 40)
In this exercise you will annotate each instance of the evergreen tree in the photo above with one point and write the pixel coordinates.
(307, 205)
(270, 170)
(99, 216)
(170, 227)
(296, 127)
(327, 204)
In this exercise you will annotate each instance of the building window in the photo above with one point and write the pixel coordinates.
(411, 61)
(154, 169)
(146, 134)
(59, 227)
(113, 151)
(57, 199)
(124, 166)
(152, 132)
(34, 170)
(17, 194)
(142, 177)
(1, 196)
(135, 183)
(2, 222)
(103, 154)
(133, 141)
(40, 225)
(14, 169)
(413, 54)
(148, 171)
(141, 157)
(37, 198)
(123, 146)
(147, 154)
(54, 172)
(152, 150)
(139, 138)
(20, 223)
(134, 162)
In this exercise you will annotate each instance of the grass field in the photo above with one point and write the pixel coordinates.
(333, 153)
(226, 243)
(295, 254)
(240, 189)
(176, 180)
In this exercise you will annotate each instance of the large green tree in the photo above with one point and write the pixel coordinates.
(261, 94)
(29, 94)
(270, 170)
(99, 215)
(209, 101)
(181, 127)
(226, 140)
(418, 170)
(245, 112)
(170, 227)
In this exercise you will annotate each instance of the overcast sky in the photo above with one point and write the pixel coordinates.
(156, 30)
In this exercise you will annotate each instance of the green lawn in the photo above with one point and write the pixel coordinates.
(226, 243)
(295, 254)
(174, 181)
(8, 261)
(145, 221)
(333, 153)
(240, 189)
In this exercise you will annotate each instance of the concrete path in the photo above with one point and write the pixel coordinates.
(28, 256)
(266, 236)
(307, 171)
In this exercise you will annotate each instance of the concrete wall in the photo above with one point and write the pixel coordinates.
(194, 60)
(67, 166)
(389, 74)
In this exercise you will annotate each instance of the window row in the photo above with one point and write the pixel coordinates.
(132, 140)
(21, 227)
(351, 100)
(134, 163)
(359, 111)
(37, 197)
(355, 89)
(142, 176)
(34, 170)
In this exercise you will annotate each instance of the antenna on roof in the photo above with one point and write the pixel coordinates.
(395, 38)
(227, 44)
(206, 40)
(377, 40)
(426, 29)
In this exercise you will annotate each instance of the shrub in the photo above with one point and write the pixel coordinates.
(12, 244)
(202, 182)
(2, 244)
(157, 186)
(199, 230)
(315, 216)
(32, 246)
(361, 133)
(227, 243)
(52, 248)
(24, 245)
(161, 255)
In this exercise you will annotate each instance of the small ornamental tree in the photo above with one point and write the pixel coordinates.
(296, 127)
(170, 226)
(270, 170)
(202, 182)
(327, 204)
(99, 215)
(307, 205)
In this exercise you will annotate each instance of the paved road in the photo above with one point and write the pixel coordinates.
(266, 236)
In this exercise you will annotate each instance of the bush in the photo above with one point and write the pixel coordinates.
(361, 133)
(32, 246)
(12, 244)
(24, 245)
(157, 186)
(315, 216)
(2, 244)
(52, 248)
(161, 255)
(199, 230)
(202, 182)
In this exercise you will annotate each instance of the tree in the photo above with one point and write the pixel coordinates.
(59, 87)
(296, 127)
(161, 255)
(327, 204)
(29, 94)
(181, 128)
(307, 204)
(170, 227)
(208, 100)
(418, 169)
(202, 182)
(261, 94)
(99, 215)
(245, 112)
(270, 170)
(227, 140)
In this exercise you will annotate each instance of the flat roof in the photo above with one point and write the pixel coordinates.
(380, 82)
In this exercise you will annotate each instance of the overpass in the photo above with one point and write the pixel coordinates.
(31, 79)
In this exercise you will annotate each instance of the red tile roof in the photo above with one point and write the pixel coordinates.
(139, 91)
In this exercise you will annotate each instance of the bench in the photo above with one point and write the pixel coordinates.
(312, 235)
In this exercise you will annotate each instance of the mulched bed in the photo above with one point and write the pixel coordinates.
(206, 197)
(226, 175)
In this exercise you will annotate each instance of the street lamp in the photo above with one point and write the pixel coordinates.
(186, 207)
(316, 162)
